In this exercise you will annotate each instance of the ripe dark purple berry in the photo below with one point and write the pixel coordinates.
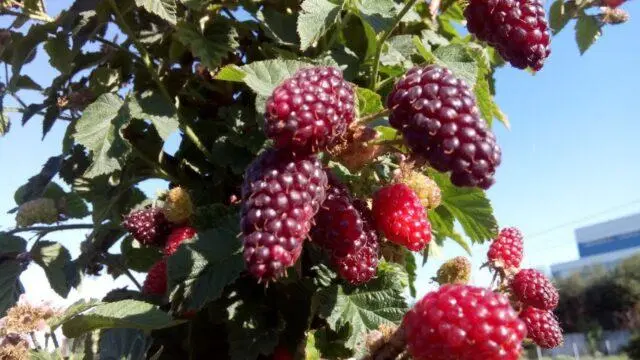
(517, 29)
(438, 117)
(281, 194)
(308, 111)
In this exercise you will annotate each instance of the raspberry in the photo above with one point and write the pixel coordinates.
(542, 327)
(178, 206)
(505, 251)
(281, 194)
(426, 189)
(438, 117)
(148, 226)
(37, 211)
(462, 322)
(399, 215)
(177, 236)
(532, 288)
(454, 271)
(359, 266)
(156, 281)
(518, 29)
(310, 110)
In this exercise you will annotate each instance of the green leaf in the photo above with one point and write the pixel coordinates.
(165, 9)
(378, 13)
(203, 266)
(60, 55)
(278, 26)
(138, 257)
(411, 267)
(55, 259)
(559, 15)
(130, 314)
(25, 49)
(484, 97)
(210, 44)
(311, 352)
(98, 130)
(231, 73)
(262, 76)
(398, 51)
(315, 19)
(588, 30)
(10, 287)
(74, 206)
(154, 107)
(366, 307)
(4, 123)
(459, 61)
(71, 311)
(123, 344)
(369, 102)
(11, 244)
(251, 331)
(25, 82)
(470, 207)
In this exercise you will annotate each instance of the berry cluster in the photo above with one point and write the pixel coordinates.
(344, 227)
(531, 290)
(151, 227)
(281, 193)
(439, 120)
(518, 29)
(310, 110)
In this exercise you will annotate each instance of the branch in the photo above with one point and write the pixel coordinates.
(148, 63)
(48, 229)
(369, 118)
(383, 39)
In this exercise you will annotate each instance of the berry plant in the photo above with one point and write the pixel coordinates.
(312, 152)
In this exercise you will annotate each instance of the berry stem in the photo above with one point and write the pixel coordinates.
(369, 118)
(148, 63)
(48, 229)
(383, 39)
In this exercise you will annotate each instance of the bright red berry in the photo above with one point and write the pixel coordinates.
(156, 281)
(439, 120)
(308, 111)
(399, 215)
(506, 250)
(148, 226)
(462, 322)
(613, 3)
(532, 288)
(177, 236)
(281, 194)
(542, 327)
(517, 29)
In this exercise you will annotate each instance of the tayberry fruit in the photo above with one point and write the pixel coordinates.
(517, 29)
(148, 226)
(505, 252)
(281, 194)
(462, 322)
(308, 111)
(156, 281)
(177, 236)
(439, 120)
(542, 327)
(398, 213)
(532, 288)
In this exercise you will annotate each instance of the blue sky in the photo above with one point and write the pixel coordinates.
(572, 150)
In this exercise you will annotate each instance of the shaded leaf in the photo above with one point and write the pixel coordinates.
(211, 44)
(60, 55)
(588, 30)
(37, 184)
(25, 82)
(154, 107)
(55, 259)
(98, 130)
(315, 19)
(130, 314)
(559, 14)
(10, 287)
(278, 26)
(369, 102)
(378, 13)
(71, 311)
(262, 76)
(123, 344)
(138, 257)
(459, 61)
(11, 244)
(251, 332)
(165, 9)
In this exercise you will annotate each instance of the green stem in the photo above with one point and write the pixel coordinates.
(369, 118)
(130, 276)
(385, 82)
(383, 39)
(48, 229)
(37, 16)
(148, 63)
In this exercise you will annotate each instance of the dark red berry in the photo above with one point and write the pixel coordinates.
(156, 280)
(177, 236)
(398, 213)
(506, 250)
(542, 327)
(282, 353)
(308, 111)
(148, 226)
(439, 120)
(281, 195)
(462, 322)
(613, 3)
(532, 288)
(517, 29)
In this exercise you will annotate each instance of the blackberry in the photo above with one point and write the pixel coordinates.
(281, 194)
(542, 327)
(310, 110)
(439, 120)
(148, 226)
(399, 215)
(517, 29)
(462, 322)
(532, 288)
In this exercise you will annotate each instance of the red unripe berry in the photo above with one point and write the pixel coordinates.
(156, 280)
(177, 236)
(533, 288)
(542, 327)
(506, 250)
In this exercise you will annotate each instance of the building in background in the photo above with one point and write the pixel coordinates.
(605, 244)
